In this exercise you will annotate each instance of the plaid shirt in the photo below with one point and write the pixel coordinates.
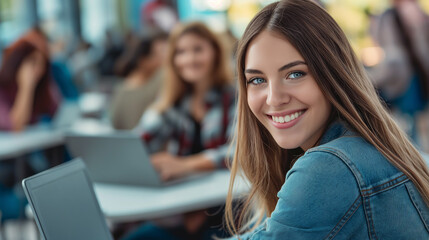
(175, 128)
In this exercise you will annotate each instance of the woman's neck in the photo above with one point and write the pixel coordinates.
(201, 88)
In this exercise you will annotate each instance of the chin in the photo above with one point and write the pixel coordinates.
(287, 144)
(190, 80)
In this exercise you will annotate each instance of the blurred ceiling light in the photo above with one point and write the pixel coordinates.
(240, 13)
(217, 22)
(372, 56)
(218, 5)
(245, 1)
(199, 5)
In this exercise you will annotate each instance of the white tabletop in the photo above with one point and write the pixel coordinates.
(128, 203)
(36, 138)
(39, 137)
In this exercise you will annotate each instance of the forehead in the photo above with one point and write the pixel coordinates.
(270, 50)
(189, 39)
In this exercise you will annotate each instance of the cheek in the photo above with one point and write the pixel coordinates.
(321, 104)
(312, 95)
(327, 108)
(255, 101)
(178, 63)
(207, 58)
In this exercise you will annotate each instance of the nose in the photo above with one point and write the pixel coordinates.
(277, 95)
(188, 57)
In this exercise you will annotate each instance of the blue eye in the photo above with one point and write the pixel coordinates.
(256, 81)
(295, 75)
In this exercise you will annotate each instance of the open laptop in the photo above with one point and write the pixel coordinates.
(118, 157)
(67, 113)
(64, 203)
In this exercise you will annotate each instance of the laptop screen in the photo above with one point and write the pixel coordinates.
(65, 205)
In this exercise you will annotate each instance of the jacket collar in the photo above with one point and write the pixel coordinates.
(335, 130)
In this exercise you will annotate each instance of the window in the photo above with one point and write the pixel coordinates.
(14, 20)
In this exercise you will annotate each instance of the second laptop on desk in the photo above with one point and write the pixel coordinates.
(118, 157)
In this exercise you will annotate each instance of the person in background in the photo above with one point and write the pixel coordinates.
(82, 65)
(188, 128)
(324, 158)
(402, 77)
(27, 93)
(140, 67)
(113, 47)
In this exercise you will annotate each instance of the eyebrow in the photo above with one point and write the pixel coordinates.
(289, 65)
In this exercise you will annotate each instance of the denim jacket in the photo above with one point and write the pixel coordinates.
(345, 189)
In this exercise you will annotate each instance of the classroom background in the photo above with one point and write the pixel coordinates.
(87, 39)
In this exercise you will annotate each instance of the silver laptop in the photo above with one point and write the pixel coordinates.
(119, 158)
(67, 114)
(64, 203)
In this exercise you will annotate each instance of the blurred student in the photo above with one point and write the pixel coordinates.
(140, 67)
(26, 96)
(402, 77)
(26, 91)
(189, 127)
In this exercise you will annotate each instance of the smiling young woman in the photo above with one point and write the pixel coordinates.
(188, 128)
(324, 158)
(282, 93)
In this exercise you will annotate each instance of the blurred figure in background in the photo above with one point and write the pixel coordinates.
(403, 76)
(140, 68)
(83, 66)
(159, 14)
(230, 42)
(193, 119)
(27, 93)
(113, 48)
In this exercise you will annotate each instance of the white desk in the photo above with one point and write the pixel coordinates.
(122, 203)
(13, 145)
(18, 144)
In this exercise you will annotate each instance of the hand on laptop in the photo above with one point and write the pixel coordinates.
(170, 166)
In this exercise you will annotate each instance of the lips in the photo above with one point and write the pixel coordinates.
(287, 119)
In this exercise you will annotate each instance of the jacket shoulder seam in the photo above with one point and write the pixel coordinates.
(346, 217)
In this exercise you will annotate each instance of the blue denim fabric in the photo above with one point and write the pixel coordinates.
(346, 189)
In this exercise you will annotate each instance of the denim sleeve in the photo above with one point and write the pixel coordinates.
(317, 193)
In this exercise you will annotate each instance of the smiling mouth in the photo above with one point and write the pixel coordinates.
(286, 118)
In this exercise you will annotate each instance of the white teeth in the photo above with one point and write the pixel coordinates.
(287, 118)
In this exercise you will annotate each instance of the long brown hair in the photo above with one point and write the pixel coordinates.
(140, 48)
(342, 79)
(174, 87)
(44, 101)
